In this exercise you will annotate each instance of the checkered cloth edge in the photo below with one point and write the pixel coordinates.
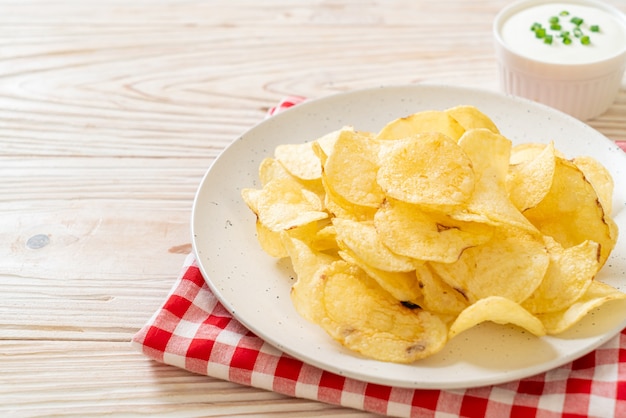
(193, 331)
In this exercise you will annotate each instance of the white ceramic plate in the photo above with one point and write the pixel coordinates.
(255, 287)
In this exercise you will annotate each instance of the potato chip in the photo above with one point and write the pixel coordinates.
(489, 153)
(324, 145)
(530, 180)
(527, 151)
(362, 239)
(350, 170)
(341, 208)
(283, 204)
(437, 295)
(251, 198)
(499, 310)
(410, 231)
(469, 117)
(422, 122)
(403, 286)
(428, 169)
(325, 239)
(271, 169)
(307, 291)
(596, 295)
(272, 241)
(600, 179)
(571, 212)
(511, 264)
(569, 274)
(300, 160)
(364, 318)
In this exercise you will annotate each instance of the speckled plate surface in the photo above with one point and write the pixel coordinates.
(255, 287)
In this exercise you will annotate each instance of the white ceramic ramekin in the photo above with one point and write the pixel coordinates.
(581, 90)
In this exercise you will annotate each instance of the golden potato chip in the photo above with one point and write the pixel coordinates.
(350, 170)
(511, 264)
(403, 286)
(376, 325)
(324, 145)
(300, 160)
(596, 295)
(428, 169)
(422, 122)
(307, 292)
(251, 198)
(327, 142)
(529, 181)
(569, 274)
(437, 295)
(362, 239)
(410, 231)
(600, 179)
(283, 204)
(489, 153)
(271, 169)
(469, 117)
(325, 239)
(571, 212)
(499, 310)
(527, 151)
(522, 153)
(272, 241)
(341, 208)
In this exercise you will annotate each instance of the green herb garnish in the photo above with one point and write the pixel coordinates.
(554, 24)
(577, 32)
(540, 33)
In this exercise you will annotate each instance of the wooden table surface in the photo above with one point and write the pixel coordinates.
(110, 114)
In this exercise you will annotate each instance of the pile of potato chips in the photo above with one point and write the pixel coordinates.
(404, 238)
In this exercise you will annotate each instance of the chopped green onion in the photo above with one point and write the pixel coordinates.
(540, 33)
(577, 21)
(575, 27)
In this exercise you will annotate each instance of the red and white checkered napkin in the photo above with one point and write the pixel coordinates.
(193, 331)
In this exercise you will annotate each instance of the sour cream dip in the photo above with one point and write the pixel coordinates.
(567, 54)
(605, 34)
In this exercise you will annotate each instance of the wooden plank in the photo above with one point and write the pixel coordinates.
(87, 378)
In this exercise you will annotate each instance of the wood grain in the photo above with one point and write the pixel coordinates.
(110, 114)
